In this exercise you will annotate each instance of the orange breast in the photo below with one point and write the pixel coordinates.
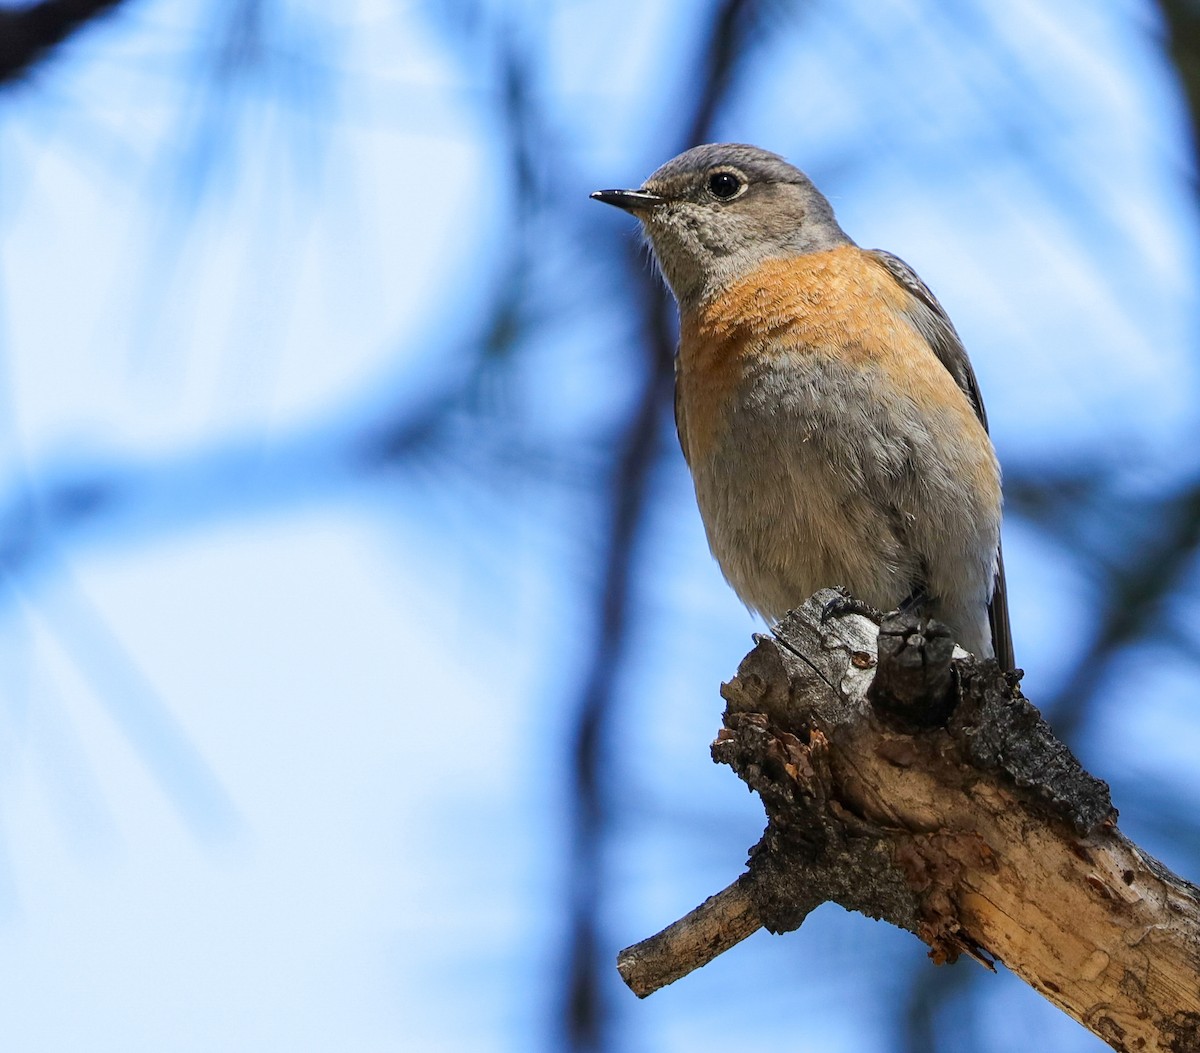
(837, 303)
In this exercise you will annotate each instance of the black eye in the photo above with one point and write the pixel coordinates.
(724, 184)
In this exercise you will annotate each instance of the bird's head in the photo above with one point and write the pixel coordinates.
(715, 212)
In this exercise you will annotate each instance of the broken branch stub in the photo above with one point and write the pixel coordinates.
(929, 793)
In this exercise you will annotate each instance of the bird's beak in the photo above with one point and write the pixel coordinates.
(629, 200)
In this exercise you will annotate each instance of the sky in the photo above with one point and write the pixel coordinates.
(282, 740)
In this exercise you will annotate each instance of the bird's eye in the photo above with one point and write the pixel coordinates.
(724, 184)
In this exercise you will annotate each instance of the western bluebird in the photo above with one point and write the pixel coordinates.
(824, 402)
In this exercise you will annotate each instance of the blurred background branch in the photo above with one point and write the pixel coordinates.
(317, 357)
(29, 32)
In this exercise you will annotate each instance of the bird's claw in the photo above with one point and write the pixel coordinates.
(845, 604)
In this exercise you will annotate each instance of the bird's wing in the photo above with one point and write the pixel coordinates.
(935, 325)
(680, 417)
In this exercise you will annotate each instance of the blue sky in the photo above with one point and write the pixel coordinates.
(282, 743)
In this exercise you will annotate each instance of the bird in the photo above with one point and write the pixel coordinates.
(824, 402)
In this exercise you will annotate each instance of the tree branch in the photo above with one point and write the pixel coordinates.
(28, 33)
(720, 922)
(926, 791)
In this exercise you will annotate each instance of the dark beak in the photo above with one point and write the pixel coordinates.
(629, 200)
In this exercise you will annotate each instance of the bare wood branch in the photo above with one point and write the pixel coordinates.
(964, 821)
(719, 923)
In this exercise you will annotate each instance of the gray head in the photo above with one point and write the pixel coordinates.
(715, 212)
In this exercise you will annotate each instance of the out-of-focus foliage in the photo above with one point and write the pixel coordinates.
(338, 475)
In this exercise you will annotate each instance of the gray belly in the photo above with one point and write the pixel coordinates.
(820, 481)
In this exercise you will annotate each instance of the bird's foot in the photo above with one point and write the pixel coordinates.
(845, 604)
(916, 601)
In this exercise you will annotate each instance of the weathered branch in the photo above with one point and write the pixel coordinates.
(720, 922)
(926, 791)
